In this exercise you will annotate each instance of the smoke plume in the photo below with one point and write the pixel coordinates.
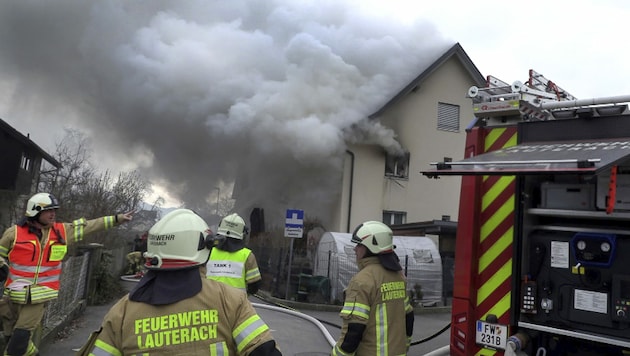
(201, 94)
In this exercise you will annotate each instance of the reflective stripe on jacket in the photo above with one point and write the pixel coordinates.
(219, 320)
(376, 298)
(35, 267)
(232, 268)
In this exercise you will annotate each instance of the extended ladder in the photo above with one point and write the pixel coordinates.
(499, 98)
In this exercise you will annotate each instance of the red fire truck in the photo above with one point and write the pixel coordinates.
(544, 223)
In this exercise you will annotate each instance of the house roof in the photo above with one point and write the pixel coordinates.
(456, 51)
(26, 141)
(433, 227)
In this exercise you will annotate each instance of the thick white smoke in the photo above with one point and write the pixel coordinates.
(204, 93)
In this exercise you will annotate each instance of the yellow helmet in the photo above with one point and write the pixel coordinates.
(233, 226)
(376, 236)
(40, 202)
(179, 240)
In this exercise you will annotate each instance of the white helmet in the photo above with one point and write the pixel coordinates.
(40, 202)
(178, 240)
(233, 226)
(376, 236)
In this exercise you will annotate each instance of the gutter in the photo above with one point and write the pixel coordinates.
(348, 226)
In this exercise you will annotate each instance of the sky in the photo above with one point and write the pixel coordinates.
(198, 94)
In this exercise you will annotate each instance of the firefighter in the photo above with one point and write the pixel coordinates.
(230, 261)
(30, 258)
(135, 260)
(174, 309)
(376, 314)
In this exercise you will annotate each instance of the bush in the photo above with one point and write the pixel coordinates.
(108, 285)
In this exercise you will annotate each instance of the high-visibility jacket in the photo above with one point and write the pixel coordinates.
(237, 269)
(376, 298)
(219, 320)
(34, 264)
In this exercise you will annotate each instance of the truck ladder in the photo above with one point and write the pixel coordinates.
(499, 98)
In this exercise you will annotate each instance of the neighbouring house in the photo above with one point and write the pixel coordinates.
(21, 161)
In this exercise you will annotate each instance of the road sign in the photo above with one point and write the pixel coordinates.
(294, 226)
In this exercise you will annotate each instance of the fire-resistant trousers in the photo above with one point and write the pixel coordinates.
(19, 321)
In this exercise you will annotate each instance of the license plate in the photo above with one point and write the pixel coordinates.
(493, 336)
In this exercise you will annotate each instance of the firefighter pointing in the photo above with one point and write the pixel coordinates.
(377, 317)
(30, 258)
(174, 309)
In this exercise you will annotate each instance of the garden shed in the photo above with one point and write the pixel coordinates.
(419, 256)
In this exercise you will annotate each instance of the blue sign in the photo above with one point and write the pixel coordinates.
(294, 225)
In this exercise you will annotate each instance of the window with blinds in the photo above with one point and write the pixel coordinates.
(448, 117)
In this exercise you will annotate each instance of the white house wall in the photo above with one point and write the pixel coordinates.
(414, 119)
(367, 197)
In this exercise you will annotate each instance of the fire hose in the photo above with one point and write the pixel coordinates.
(315, 321)
(283, 308)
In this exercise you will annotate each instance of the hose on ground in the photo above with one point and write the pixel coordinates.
(448, 326)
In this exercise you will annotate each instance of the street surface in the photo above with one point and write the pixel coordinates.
(295, 335)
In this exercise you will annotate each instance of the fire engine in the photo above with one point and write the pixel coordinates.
(544, 223)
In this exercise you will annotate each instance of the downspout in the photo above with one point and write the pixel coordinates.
(351, 186)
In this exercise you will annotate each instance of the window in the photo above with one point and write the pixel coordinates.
(394, 217)
(25, 164)
(397, 166)
(448, 117)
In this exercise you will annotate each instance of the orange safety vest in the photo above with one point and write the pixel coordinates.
(34, 270)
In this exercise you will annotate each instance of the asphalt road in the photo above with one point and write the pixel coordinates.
(299, 336)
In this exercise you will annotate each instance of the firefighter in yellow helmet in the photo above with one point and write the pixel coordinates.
(174, 309)
(230, 261)
(376, 314)
(30, 266)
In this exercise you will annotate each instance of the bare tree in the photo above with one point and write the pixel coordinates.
(157, 204)
(73, 153)
(82, 190)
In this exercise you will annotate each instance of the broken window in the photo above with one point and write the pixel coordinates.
(397, 166)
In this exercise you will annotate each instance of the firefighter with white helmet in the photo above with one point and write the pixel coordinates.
(174, 309)
(377, 317)
(230, 261)
(30, 266)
